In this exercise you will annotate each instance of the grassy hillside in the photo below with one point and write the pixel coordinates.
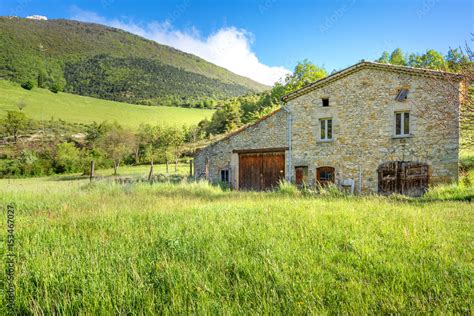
(57, 51)
(193, 248)
(41, 104)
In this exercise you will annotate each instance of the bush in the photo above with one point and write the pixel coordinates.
(54, 88)
(287, 188)
(68, 158)
(28, 85)
(330, 190)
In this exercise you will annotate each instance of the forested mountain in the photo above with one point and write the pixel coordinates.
(105, 62)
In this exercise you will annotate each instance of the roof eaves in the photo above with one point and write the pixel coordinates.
(366, 64)
(241, 129)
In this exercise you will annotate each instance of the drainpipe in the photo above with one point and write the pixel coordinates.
(290, 156)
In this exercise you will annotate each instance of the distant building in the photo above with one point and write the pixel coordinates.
(37, 17)
(373, 127)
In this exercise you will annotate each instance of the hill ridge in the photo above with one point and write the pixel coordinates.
(31, 49)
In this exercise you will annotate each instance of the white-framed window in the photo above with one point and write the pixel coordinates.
(402, 123)
(326, 129)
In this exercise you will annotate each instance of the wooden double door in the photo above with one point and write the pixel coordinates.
(403, 177)
(261, 171)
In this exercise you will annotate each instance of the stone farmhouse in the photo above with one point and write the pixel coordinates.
(368, 128)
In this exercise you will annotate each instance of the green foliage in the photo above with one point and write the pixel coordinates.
(14, 123)
(397, 58)
(117, 143)
(225, 119)
(288, 189)
(243, 110)
(68, 158)
(431, 59)
(94, 60)
(304, 73)
(56, 87)
(135, 80)
(385, 58)
(456, 58)
(28, 85)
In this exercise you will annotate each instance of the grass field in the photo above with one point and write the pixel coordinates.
(164, 248)
(41, 104)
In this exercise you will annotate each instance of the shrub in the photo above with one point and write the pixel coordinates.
(288, 188)
(28, 85)
(54, 88)
(68, 158)
(330, 190)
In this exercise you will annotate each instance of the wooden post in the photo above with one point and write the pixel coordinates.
(91, 175)
(150, 175)
(167, 173)
(190, 167)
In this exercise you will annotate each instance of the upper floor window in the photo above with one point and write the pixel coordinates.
(325, 102)
(402, 123)
(225, 175)
(326, 129)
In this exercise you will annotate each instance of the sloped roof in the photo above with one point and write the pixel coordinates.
(239, 130)
(369, 65)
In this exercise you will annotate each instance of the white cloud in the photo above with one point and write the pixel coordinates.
(229, 47)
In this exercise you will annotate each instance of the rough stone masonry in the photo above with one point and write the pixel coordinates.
(362, 107)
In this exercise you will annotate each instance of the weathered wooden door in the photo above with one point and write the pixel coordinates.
(261, 171)
(403, 177)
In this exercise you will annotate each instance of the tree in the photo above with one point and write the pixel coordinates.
(433, 60)
(148, 139)
(171, 139)
(68, 157)
(117, 143)
(14, 123)
(41, 78)
(397, 58)
(414, 60)
(94, 132)
(304, 73)
(225, 119)
(456, 59)
(384, 59)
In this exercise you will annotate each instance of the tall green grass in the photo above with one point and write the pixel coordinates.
(195, 248)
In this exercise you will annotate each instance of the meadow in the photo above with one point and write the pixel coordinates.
(105, 248)
(42, 104)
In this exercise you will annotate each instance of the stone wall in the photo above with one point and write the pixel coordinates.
(362, 107)
(271, 132)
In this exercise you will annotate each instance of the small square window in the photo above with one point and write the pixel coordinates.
(225, 175)
(325, 102)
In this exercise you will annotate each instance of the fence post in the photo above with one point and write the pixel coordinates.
(91, 174)
(190, 167)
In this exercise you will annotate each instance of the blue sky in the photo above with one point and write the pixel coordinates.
(263, 39)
